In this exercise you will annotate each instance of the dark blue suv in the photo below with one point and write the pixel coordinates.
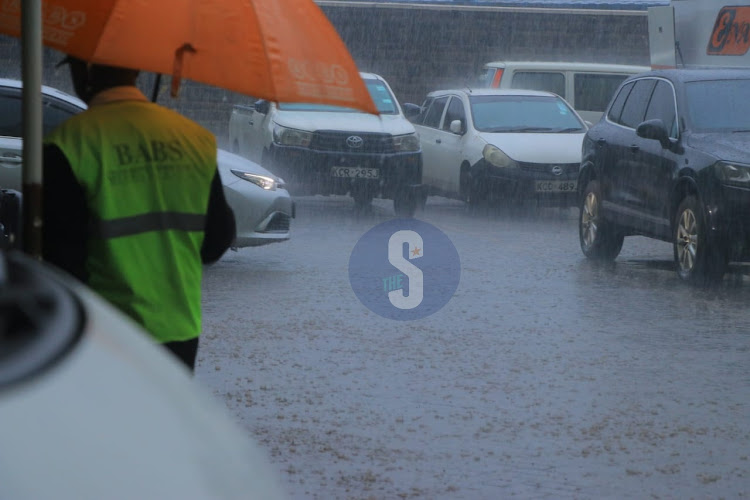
(670, 160)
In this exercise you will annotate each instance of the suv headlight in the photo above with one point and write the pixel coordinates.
(262, 181)
(496, 157)
(291, 137)
(733, 173)
(404, 143)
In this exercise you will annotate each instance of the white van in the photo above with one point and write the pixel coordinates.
(588, 87)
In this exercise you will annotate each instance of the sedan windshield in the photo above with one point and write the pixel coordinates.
(719, 105)
(384, 101)
(523, 113)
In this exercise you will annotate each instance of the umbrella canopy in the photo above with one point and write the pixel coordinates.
(280, 50)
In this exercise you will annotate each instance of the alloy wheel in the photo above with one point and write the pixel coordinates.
(590, 219)
(687, 240)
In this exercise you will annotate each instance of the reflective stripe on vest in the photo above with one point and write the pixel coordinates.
(160, 221)
(146, 172)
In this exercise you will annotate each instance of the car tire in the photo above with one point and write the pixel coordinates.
(599, 238)
(698, 260)
(464, 182)
(476, 199)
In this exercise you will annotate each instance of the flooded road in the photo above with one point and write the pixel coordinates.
(545, 376)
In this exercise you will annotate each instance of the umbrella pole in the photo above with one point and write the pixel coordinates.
(31, 43)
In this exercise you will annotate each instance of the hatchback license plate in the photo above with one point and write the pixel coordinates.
(356, 172)
(555, 186)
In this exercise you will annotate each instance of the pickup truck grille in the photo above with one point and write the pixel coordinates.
(347, 142)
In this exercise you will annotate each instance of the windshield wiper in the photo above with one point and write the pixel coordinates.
(521, 129)
(566, 130)
(740, 131)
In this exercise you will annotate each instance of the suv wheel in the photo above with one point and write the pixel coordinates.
(476, 198)
(600, 240)
(698, 260)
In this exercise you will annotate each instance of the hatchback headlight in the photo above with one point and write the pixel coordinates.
(404, 143)
(496, 157)
(732, 173)
(291, 137)
(262, 181)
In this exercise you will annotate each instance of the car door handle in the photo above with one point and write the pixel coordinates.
(634, 148)
(10, 159)
(601, 142)
(438, 141)
(250, 122)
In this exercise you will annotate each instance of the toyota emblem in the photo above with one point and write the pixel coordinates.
(557, 170)
(354, 141)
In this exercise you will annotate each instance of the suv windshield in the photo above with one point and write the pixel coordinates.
(522, 113)
(384, 101)
(719, 105)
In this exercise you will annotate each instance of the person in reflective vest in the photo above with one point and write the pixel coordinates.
(133, 205)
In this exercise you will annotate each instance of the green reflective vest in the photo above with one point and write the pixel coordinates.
(146, 172)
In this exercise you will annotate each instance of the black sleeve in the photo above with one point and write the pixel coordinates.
(220, 225)
(64, 215)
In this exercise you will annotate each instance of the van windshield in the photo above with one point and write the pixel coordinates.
(384, 101)
(523, 113)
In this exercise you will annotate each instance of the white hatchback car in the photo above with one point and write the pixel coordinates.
(262, 206)
(500, 144)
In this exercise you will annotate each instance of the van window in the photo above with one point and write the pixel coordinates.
(539, 80)
(592, 92)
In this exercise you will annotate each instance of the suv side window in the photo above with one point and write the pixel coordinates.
(432, 118)
(662, 107)
(619, 103)
(539, 80)
(455, 111)
(592, 91)
(635, 107)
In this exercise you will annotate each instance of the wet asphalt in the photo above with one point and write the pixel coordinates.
(545, 376)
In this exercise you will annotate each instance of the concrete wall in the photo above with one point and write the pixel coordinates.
(418, 49)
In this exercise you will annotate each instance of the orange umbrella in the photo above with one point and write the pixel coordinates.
(280, 50)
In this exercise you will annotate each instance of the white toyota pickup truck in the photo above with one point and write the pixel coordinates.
(320, 149)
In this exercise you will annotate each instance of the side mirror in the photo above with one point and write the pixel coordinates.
(262, 106)
(457, 127)
(654, 129)
(411, 110)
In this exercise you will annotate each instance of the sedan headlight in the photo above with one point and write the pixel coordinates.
(496, 157)
(291, 137)
(732, 173)
(404, 143)
(262, 181)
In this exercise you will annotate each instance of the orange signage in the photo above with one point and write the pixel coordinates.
(731, 34)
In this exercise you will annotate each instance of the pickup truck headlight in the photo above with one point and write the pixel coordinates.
(733, 173)
(404, 143)
(497, 158)
(262, 181)
(291, 137)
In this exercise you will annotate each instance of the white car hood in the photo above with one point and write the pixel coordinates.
(354, 122)
(538, 148)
